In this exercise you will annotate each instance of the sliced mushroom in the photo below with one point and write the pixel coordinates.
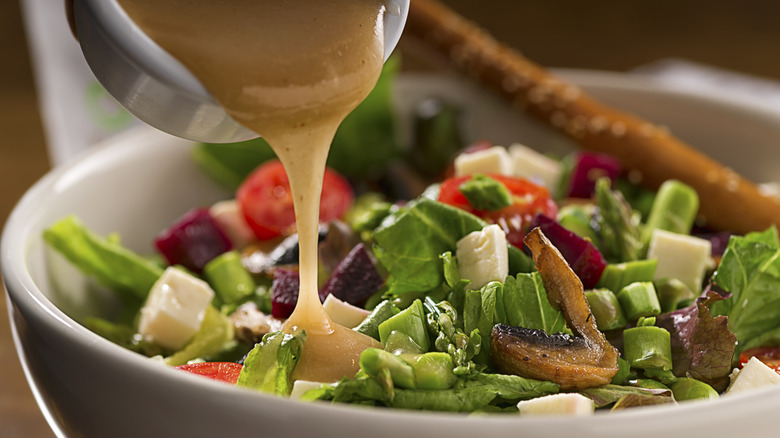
(584, 360)
(251, 324)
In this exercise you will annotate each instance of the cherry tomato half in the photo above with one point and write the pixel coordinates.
(267, 204)
(528, 200)
(222, 371)
(770, 356)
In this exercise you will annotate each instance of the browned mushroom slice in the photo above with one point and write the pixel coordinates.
(575, 362)
(250, 324)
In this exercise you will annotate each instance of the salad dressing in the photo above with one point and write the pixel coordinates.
(290, 71)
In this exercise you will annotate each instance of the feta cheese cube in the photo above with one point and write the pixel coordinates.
(492, 160)
(574, 404)
(343, 313)
(483, 256)
(534, 166)
(755, 374)
(174, 309)
(680, 256)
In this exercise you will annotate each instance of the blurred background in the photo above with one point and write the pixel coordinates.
(738, 37)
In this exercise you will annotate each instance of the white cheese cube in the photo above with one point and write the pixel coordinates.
(680, 256)
(574, 404)
(483, 256)
(532, 165)
(755, 374)
(492, 160)
(174, 309)
(231, 221)
(343, 313)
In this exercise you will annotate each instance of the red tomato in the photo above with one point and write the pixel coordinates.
(222, 371)
(267, 204)
(770, 356)
(529, 199)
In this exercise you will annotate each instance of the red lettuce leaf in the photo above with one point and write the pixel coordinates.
(702, 346)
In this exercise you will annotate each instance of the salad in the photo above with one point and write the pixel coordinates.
(493, 279)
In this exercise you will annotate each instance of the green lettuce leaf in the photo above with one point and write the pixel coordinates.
(483, 309)
(526, 305)
(410, 244)
(111, 264)
(750, 272)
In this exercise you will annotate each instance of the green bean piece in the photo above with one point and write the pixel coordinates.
(639, 300)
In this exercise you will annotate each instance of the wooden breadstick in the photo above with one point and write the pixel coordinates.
(650, 154)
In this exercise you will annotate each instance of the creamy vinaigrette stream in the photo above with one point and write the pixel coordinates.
(290, 71)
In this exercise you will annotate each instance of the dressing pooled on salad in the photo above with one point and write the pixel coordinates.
(291, 72)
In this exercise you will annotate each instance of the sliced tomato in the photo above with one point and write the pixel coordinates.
(528, 200)
(222, 371)
(267, 204)
(770, 356)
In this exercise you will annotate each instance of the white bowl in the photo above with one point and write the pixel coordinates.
(137, 183)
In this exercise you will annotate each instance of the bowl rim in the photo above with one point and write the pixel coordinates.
(23, 292)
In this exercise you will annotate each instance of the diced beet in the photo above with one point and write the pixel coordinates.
(719, 241)
(584, 258)
(588, 167)
(193, 240)
(354, 279)
(284, 293)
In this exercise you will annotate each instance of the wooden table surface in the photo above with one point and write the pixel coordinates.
(610, 35)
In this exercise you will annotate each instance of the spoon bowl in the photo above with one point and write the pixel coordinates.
(154, 86)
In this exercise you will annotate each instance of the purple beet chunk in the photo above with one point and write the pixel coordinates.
(589, 167)
(719, 241)
(354, 279)
(284, 293)
(193, 240)
(584, 258)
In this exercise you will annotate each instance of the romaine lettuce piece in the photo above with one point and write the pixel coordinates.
(110, 263)
(269, 365)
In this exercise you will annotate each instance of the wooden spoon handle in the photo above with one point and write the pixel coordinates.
(648, 152)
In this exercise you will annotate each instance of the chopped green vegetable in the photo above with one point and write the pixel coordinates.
(485, 193)
(269, 365)
(674, 209)
(110, 263)
(411, 322)
(381, 313)
(618, 225)
(616, 276)
(606, 308)
(229, 278)
(215, 333)
(687, 388)
(673, 294)
(639, 300)
(647, 346)
(434, 370)
(376, 362)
